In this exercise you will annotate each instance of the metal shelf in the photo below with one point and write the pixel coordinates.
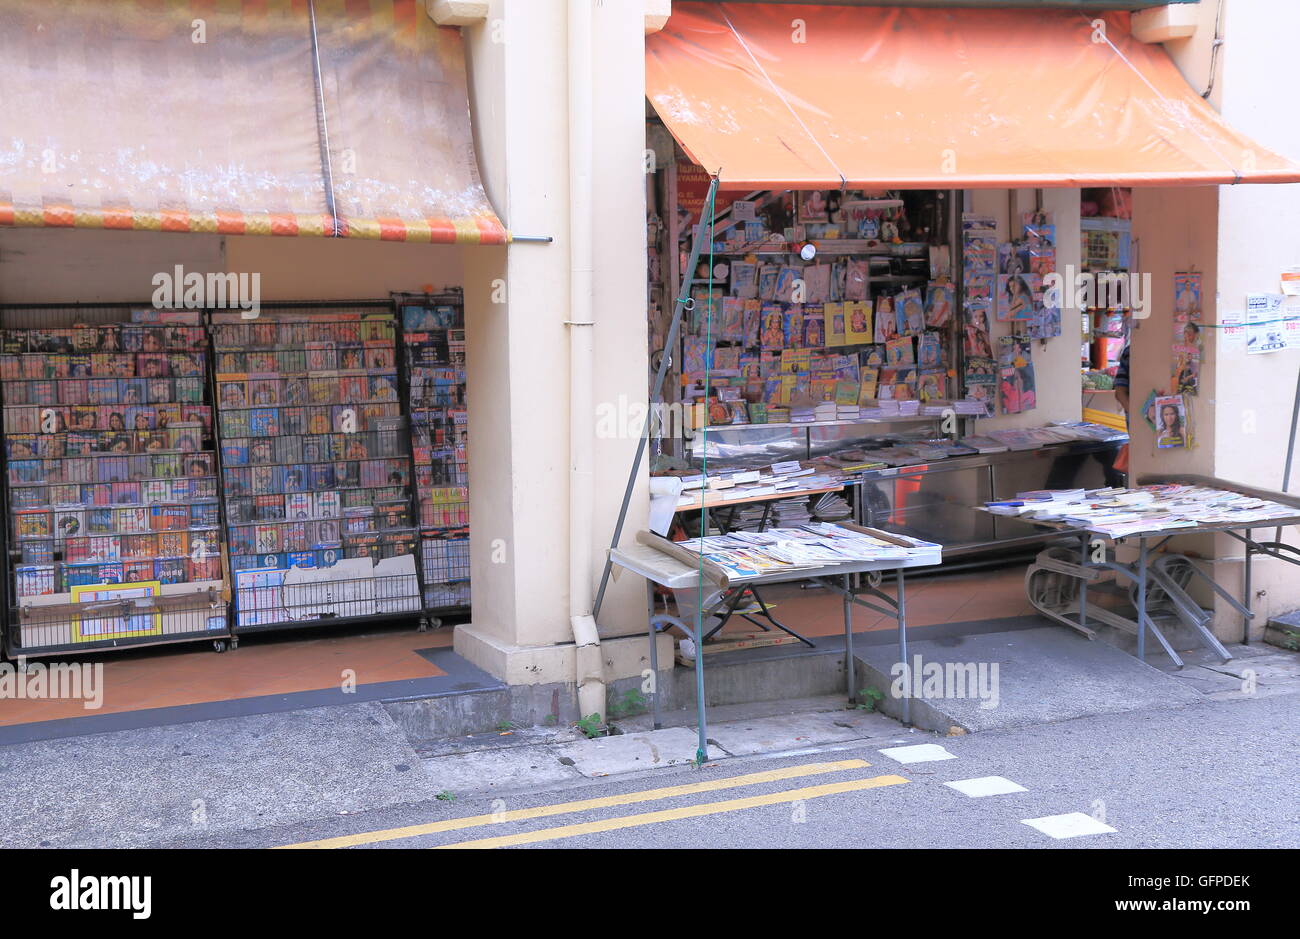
(910, 419)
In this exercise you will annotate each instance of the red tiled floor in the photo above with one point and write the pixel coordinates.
(270, 664)
(931, 601)
(192, 673)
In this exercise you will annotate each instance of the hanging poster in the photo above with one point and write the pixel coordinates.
(692, 188)
(1149, 409)
(1232, 327)
(1172, 431)
(1019, 297)
(938, 305)
(1185, 378)
(1040, 242)
(1265, 331)
(1291, 321)
(1187, 296)
(1016, 374)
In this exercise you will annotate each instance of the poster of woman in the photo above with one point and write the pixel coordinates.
(1171, 423)
(1016, 296)
(1016, 375)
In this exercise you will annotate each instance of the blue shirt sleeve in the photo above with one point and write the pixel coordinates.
(1121, 373)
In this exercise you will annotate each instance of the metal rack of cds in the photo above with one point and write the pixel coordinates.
(109, 481)
(883, 269)
(433, 348)
(315, 461)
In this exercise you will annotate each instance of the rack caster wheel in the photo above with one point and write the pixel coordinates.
(435, 622)
(219, 645)
(234, 644)
(423, 627)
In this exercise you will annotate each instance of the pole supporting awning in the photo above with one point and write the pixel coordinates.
(785, 96)
(199, 116)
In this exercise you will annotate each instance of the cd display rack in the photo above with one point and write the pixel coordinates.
(110, 481)
(315, 462)
(434, 342)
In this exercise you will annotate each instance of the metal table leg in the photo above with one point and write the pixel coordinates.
(702, 748)
(1142, 599)
(1083, 584)
(1245, 592)
(654, 657)
(848, 641)
(902, 650)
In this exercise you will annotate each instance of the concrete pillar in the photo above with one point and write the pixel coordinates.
(517, 300)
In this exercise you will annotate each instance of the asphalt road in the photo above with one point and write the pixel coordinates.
(1215, 775)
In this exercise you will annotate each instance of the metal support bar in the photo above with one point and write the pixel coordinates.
(1083, 584)
(902, 651)
(1290, 446)
(656, 394)
(1245, 589)
(654, 654)
(1142, 599)
(849, 667)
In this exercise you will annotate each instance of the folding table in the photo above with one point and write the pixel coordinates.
(664, 563)
(1144, 572)
(713, 501)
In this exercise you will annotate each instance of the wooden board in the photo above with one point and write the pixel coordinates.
(736, 641)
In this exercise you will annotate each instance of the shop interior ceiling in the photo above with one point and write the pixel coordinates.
(307, 121)
(912, 98)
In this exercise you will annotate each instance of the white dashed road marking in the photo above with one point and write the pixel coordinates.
(985, 786)
(1070, 825)
(919, 753)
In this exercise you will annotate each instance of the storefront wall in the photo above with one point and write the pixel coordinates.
(1241, 238)
(58, 266)
(517, 305)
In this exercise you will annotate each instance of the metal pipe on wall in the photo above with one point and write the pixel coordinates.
(589, 668)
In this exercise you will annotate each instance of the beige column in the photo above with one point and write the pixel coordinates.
(517, 301)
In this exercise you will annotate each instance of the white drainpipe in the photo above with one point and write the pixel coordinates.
(590, 669)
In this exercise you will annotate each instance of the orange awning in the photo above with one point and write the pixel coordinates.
(205, 116)
(780, 96)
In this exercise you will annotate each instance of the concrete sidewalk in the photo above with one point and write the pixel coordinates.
(215, 779)
(158, 785)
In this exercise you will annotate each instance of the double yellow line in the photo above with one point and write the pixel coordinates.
(630, 798)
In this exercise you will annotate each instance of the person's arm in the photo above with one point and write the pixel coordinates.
(1122, 382)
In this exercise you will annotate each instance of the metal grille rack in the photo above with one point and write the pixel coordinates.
(434, 350)
(109, 481)
(316, 465)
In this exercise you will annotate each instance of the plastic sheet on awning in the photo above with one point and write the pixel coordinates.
(204, 116)
(779, 96)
